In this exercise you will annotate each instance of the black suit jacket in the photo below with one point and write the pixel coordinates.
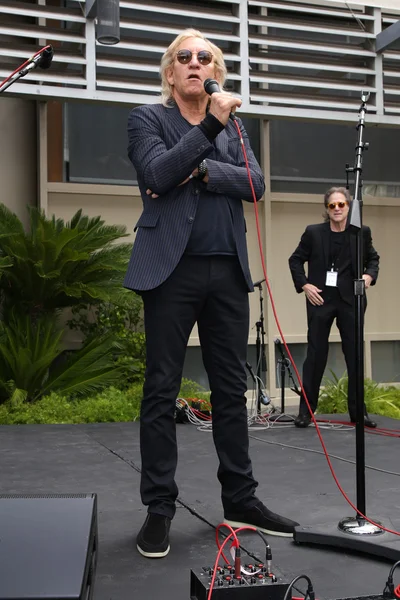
(165, 149)
(314, 249)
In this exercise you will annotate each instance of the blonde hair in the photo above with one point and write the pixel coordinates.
(167, 90)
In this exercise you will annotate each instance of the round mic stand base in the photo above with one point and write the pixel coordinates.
(281, 418)
(359, 526)
(353, 534)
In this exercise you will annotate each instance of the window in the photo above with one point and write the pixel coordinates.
(96, 143)
(310, 157)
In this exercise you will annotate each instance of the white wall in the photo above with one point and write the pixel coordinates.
(18, 152)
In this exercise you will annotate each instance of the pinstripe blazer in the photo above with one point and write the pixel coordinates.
(164, 149)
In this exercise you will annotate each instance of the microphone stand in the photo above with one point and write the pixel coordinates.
(354, 224)
(13, 79)
(260, 348)
(40, 59)
(284, 365)
(356, 532)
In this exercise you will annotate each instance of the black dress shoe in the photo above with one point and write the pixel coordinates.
(367, 422)
(263, 519)
(302, 420)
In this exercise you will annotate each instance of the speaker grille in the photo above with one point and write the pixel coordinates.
(29, 496)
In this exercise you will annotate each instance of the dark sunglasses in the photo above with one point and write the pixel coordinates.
(333, 205)
(185, 56)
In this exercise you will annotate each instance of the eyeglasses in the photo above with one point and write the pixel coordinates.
(333, 205)
(185, 56)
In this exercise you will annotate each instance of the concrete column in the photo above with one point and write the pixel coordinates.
(18, 151)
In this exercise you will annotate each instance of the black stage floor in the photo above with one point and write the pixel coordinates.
(74, 459)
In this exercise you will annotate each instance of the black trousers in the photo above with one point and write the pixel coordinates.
(212, 292)
(320, 319)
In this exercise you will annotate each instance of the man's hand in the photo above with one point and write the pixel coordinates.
(368, 280)
(311, 292)
(222, 104)
(150, 193)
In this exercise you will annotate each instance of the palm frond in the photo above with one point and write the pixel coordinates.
(9, 222)
(90, 369)
(28, 349)
(59, 264)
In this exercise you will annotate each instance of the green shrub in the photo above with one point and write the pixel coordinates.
(192, 389)
(122, 319)
(379, 399)
(111, 405)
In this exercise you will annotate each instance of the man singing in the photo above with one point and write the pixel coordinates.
(189, 263)
(330, 251)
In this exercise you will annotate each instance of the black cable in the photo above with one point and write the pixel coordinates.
(310, 590)
(268, 552)
(347, 460)
(392, 570)
(388, 591)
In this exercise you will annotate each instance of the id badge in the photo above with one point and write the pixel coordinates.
(331, 278)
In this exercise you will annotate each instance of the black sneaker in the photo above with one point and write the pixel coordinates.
(263, 519)
(153, 539)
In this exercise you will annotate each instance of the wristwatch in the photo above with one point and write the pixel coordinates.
(202, 170)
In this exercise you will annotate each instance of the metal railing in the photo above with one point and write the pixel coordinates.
(286, 59)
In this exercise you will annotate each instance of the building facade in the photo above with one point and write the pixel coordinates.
(299, 67)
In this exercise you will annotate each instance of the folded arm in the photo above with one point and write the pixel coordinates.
(163, 169)
(232, 179)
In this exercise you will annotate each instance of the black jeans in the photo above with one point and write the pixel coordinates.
(320, 319)
(212, 291)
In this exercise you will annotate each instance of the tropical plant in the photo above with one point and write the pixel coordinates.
(27, 350)
(379, 399)
(32, 362)
(52, 266)
(57, 264)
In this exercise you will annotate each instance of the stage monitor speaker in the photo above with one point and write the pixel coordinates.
(48, 546)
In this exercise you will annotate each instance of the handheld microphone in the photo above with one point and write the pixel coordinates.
(211, 87)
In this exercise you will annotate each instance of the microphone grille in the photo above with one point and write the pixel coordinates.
(211, 86)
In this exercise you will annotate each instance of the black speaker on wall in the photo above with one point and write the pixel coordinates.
(48, 546)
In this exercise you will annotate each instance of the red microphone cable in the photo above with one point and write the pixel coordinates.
(288, 351)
